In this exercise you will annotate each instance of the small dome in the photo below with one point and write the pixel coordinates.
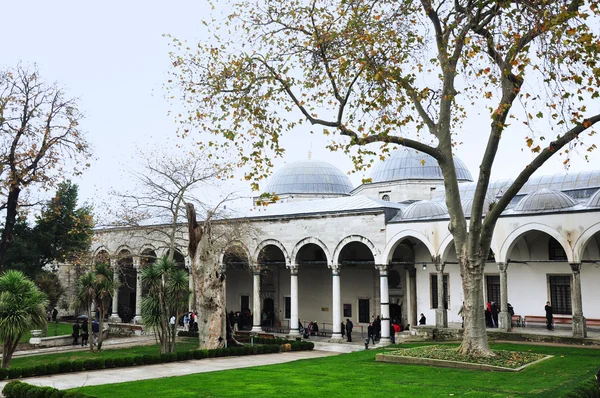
(408, 164)
(309, 177)
(467, 205)
(594, 201)
(544, 200)
(424, 209)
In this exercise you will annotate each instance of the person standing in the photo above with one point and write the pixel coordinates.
(172, 323)
(84, 333)
(461, 312)
(370, 335)
(377, 328)
(422, 320)
(95, 331)
(75, 333)
(349, 327)
(549, 316)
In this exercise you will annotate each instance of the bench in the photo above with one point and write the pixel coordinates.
(590, 322)
(266, 336)
(534, 320)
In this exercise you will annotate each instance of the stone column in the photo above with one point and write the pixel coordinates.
(385, 304)
(114, 316)
(138, 290)
(256, 315)
(579, 328)
(294, 330)
(337, 303)
(504, 317)
(441, 314)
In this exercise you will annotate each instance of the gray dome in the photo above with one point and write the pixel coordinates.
(309, 177)
(544, 200)
(467, 205)
(424, 209)
(594, 201)
(408, 164)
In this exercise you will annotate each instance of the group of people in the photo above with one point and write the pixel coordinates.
(83, 332)
(190, 321)
(312, 329)
(240, 320)
(374, 331)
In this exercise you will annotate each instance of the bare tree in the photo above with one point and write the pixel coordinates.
(40, 139)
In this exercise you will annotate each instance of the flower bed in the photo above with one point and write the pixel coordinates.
(447, 356)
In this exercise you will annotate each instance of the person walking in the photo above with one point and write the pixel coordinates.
(95, 331)
(422, 320)
(349, 327)
(549, 316)
(461, 312)
(75, 333)
(370, 335)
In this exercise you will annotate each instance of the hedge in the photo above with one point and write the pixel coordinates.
(18, 389)
(587, 389)
(269, 346)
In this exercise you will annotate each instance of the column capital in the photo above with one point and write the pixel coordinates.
(293, 269)
(502, 266)
(575, 267)
(188, 262)
(335, 268)
(256, 269)
(137, 261)
(382, 268)
(439, 267)
(113, 262)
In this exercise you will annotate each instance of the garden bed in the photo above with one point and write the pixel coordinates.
(448, 357)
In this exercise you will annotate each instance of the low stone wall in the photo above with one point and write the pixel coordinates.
(438, 334)
(59, 341)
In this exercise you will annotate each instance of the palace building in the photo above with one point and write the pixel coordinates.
(328, 252)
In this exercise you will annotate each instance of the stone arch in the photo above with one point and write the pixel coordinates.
(146, 248)
(273, 242)
(445, 246)
(99, 251)
(239, 244)
(356, 238)
(306, 241)
(399, 237)
(583, 240)
(513, 238)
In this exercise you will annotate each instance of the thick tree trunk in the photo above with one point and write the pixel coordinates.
(6, 240)
(90, 334)
(101, 326)
(475, 341)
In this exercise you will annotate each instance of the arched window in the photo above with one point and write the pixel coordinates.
(556, 251)
(386, 198)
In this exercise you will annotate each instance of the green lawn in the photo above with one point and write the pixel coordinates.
(358, 375)
(54, 329)
(182, 345)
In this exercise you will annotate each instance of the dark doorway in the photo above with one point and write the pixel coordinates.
(268, 312)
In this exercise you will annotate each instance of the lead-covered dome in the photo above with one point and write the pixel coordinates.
(594, 201)
(408, 164)
(544, 200)
(309, 177)
(424, 209)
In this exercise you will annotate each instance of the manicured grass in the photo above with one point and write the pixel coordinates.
(20, 362)
(54, 329)
(358, 375)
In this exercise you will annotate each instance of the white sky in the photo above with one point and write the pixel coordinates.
(112, 55)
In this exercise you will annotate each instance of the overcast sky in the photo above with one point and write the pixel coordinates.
(112, 55)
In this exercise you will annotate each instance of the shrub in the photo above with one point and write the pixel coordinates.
(64, 367)
(89, 364)
(3, 373)
(52, 368)
(588, 389)
(14, 373)
(199, 354)
(8, 388)
(40, 370)
(109, 363)
(99, 363)
(27, 371)
(77, 366)
(129, 361)
(180, 356)
(118, 362)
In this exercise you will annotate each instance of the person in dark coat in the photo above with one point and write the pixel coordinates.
(422, 320)
(370, 334)
(495, 312)
(84, 332)
(349, 327)
(75, 333)
(549, 316)
(377, 328)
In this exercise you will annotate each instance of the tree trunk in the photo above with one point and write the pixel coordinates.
(101, 326)
(6, 240)
(475, 341)
(90, 322)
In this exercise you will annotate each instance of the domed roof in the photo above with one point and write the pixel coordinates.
(594, 200)
(544, 200)
(467, 205)
(311, 177)
(424, 209)
(408, 164)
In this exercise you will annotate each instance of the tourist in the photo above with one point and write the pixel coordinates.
(54, 314)
(186, 322)
(549, 316)
(84, 333)
(349, 327)
(172, 323)
(343, 330)
(392, 333)
(495, 312)
(95, 331)
(370, 334)
(75, 333)
(422, 320)
(461, 312)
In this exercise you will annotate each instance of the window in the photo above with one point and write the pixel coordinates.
(560, 294)
(347, 311)
(434, 290)
(287, 311)
(492, 284)
(386, 198)
(556, 251)
(363, 311)
(245, 303)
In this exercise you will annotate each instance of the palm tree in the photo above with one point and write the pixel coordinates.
(22, 307)
(86, 295)
(168, 294)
